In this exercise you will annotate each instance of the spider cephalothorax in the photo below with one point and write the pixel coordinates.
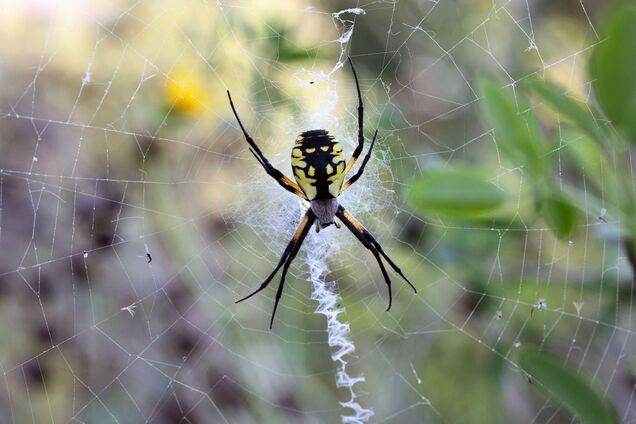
(320, 169)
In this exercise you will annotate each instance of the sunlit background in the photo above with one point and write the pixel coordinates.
(132, 215)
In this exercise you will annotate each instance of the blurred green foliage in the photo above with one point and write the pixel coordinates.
(455, 193)
(517, 131)
(612, 69)
(600, 151)
(567, 387)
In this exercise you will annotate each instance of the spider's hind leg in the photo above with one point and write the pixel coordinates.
(299, 237)
(288, 256)
(360, 236)
(372, 244)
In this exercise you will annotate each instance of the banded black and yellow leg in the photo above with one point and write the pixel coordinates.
(371, 243)
(288, 255)
(358, 149)
(351, 226)
(283, 180)
(290, 258)
(358, 174)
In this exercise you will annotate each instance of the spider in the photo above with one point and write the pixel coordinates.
(319, 169)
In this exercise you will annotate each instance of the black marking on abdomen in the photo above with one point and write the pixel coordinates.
(317, 159)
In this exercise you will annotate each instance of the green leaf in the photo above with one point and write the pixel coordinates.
(455, 194)
(585, 155)
(278, 41)
(516, 130)
(560, 214)
(612, 69)
(555, 97)
(566, 386)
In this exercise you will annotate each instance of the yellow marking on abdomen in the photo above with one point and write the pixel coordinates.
(337, 155)
(305, 183)
(335, 181)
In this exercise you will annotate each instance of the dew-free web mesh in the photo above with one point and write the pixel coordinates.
(132, 216)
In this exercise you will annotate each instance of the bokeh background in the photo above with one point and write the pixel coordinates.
(117, 145)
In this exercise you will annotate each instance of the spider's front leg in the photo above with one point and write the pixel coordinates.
(358, 174)
(283, 180)
(358, 149)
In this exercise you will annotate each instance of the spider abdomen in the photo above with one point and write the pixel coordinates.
(318, 164)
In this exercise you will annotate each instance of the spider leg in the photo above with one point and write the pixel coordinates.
(303, 227)
(288, 256)
(301, 232)
(357, 228)
(358, 150)
(360, 236)
(361, 170)
(284, 181)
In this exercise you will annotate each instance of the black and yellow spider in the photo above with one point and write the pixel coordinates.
(319, 168)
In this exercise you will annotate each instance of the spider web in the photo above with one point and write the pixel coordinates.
(132, 216)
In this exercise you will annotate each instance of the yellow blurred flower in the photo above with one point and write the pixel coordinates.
(186, 94)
